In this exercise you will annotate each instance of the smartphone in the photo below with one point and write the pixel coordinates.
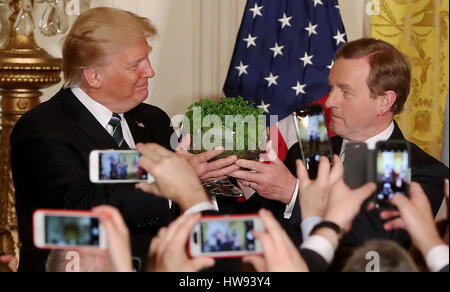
(393, 172)
(356, 167)
(55, 229)
(137, 264)
(117, 166)
(313, 137)
(225, 236)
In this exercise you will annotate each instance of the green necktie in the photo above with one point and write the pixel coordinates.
(117, 132)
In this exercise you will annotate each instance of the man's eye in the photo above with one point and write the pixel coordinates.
(348, 93)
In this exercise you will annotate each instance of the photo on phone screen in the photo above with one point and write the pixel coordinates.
(72, 231)
(225, 237)
(121, 166)
(117, 166)
(393, 172)
(312, 132)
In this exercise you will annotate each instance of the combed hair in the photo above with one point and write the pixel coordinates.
(98, 33)
(390, 69)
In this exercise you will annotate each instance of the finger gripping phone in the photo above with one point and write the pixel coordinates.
(393, 172)
(313, 137)
(59, 229)
(117, 166)
(225, 236)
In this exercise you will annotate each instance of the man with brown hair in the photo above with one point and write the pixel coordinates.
(106, 71)
(370, 83)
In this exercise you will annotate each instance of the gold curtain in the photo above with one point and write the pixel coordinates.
(420, 29)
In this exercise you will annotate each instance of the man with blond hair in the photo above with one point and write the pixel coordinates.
(106, 70)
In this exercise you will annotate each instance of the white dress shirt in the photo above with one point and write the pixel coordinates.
(437, 258)
(372, 142)
(320, 245)
(103, 115)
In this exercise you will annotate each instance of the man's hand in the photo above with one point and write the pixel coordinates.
(416, 217)
(168, 249)
(206, 170)
(344, 204)
(314, 193)
(10, 261)
(118, 238)
(175, 178)
(272, 181)
(280, 254)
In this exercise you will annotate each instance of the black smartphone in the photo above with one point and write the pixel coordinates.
(312, 133)
(393, 172)
(137, 264)
(356, 166)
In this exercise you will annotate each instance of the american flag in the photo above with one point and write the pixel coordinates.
(283, 57)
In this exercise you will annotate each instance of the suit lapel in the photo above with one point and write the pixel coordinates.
(397, 134)
(86, 121)
(140, 129)
(336, 143)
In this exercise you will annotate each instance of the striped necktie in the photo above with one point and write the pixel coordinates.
(117, 134)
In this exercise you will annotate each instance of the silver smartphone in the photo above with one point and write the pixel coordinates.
(60, 229)
(117, 166)
(225, 236)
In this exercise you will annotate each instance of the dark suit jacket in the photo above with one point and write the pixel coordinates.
(426, 170)
(50, 148)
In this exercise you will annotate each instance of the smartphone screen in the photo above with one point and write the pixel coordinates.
(119, 166)
(393, 172)
(72, 230)
(226, 237)
(220, 236)
(312, 132)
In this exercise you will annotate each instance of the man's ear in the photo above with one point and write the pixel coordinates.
(386, 102)
(92, 77)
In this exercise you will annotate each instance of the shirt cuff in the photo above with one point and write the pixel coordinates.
(291, 206)
(437, 258)
(321, 246)
(308, 225)
(201, 207)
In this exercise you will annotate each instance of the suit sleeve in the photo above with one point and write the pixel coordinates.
(431, 177)
(50, 172)
(315, 262)
(290, 162)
